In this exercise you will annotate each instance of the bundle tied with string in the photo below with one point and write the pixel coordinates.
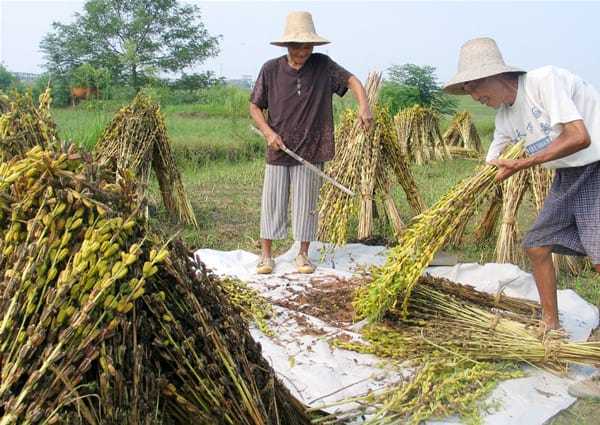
(368, 163)
(137, 140)
(419, 135)
(508, 249)
(483, 336)
(462, 137)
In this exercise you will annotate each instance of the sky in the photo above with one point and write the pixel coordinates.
(365, 35)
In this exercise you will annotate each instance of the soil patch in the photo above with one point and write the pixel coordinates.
(193, 114)
(328, 298)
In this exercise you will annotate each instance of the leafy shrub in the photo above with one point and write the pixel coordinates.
(59, 87)
(7, 79)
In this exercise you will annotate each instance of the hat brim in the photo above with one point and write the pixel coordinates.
(313, 40)
(456, 84)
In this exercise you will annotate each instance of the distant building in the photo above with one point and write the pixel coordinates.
(26, 76)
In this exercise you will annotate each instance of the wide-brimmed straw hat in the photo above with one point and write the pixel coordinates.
(299, 28)
(479, 58)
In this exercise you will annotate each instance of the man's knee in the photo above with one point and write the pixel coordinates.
(597, 267)
(538, 253)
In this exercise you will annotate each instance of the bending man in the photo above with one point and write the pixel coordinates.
(557, 114)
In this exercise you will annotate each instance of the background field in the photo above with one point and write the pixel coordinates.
(222, 164)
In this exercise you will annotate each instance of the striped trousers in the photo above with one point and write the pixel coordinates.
(304, 186)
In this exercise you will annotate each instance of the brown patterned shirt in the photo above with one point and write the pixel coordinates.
(299, 103)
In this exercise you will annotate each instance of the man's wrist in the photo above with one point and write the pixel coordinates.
(531, 161)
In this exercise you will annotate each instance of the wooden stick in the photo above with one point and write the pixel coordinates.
(310, 166)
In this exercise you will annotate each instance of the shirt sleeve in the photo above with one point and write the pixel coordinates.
(556, 96)
(338, 77)
(500, 141)
(259, 95)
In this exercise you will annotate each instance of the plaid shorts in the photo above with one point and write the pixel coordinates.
(570, 218)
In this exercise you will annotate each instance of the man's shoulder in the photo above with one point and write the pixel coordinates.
(321, 56)
(320, 59)
(271, 64)
(547, 72)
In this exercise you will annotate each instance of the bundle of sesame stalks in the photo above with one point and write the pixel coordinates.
(426, 234)
(461, 133)
(464, 153)
(487, 226)
(137, 140)
(508, 248)
(448, 318)
(101, 322)
(369, 164)
(419, 135)
(475, 334)
(24, 125)
(438, 388)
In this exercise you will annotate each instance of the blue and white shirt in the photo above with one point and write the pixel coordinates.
(547, 98)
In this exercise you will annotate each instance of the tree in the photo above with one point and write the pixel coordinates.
(7, 79)
(87, 76)
(197, 81)
(410, 84)
(132, 39)
(397, 96)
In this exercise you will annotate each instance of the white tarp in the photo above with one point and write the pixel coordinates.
(317, 373)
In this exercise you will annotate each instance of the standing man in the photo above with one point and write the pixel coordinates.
(557, 114)
(296, 90)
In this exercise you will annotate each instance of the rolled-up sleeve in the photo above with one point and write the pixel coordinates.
(339, 77)
(259, 95)
(557, 97)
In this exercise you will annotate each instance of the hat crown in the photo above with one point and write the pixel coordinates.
(478, 58)
(480, 52)
(300, 28)
(299, 23)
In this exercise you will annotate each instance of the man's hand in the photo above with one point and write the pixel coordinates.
(508, 167)
(274, 141)
(365, 117)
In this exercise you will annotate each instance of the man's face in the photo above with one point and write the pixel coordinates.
(488, 91)
(299, 53)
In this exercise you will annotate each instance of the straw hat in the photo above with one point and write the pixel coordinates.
(479, 58)
(299, 28)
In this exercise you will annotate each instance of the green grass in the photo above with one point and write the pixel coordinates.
(81, 125)
(199, 133)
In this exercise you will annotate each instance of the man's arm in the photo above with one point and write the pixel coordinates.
(364, 112)
(273, 139)
(573, 138)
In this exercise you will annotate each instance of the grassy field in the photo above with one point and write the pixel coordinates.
(222, 164)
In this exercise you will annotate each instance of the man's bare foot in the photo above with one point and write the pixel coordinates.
(547, 326)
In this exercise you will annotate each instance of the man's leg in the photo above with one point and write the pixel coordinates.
(273, 213)
(266, 245)
(304, 247)
(305, 198)
(545, 280)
